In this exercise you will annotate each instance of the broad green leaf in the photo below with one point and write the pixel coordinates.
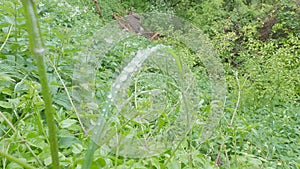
(67, 123)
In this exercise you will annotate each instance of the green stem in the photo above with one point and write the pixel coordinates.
(14, 159)
(88, 159)
(38, 50)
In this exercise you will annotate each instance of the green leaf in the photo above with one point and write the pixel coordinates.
(254, 161)
(13, 166)
(68, 141)
(36, 140)
(5, 105)
(48, 161)
(77, 148)
(67, 123)
(100, 162)
(5, 77)
(62, 100)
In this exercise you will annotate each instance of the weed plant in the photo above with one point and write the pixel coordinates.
(260, 126)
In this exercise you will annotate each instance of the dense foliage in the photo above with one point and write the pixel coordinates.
(258, 42)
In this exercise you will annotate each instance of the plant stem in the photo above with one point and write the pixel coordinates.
(14, 159)
(69, 96)
(88, 159)
(6, 39)
(38, 50)
(238, 99)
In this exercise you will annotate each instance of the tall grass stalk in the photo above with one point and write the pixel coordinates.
(38, 50)
(88, 159)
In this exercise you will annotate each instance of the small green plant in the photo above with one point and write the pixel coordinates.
(258, 42)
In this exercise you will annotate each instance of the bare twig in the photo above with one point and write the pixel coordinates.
(155, 36)
(98, 9)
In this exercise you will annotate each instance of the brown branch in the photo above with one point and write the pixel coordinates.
(98, 9)
(155, 36)
(132, 23)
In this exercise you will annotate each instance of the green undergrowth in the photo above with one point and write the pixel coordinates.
(257, 41)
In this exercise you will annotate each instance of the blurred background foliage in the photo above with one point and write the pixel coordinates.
(257, 40)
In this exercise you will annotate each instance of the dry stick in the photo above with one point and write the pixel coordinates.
(155, 36)
(22, 139)
(6, 39)
(98, 9)
(69, 96)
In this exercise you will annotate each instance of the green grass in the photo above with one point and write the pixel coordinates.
(260, 126)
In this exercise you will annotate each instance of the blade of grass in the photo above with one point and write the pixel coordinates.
(38, 50)
(88, 159)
